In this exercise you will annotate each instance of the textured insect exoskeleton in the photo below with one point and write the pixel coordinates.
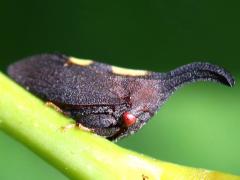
(113, 101)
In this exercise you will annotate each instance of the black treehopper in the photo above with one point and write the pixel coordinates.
(114, 102)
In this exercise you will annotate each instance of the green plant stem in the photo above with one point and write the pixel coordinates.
(78, 154)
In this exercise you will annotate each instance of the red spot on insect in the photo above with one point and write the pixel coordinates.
(128, 119)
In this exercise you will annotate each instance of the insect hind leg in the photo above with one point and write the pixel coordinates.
(54, 106)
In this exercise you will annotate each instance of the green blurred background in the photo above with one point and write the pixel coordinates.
(198, 126)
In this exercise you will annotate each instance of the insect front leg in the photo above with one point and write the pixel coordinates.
(97, 120)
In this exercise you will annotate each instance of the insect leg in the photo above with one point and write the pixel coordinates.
(80, 126)
(118, 133)
(76, 125)
(54, 106)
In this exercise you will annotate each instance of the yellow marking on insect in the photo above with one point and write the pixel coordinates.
(80, 62)
(128, 72)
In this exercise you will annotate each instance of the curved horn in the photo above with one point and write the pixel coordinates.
(198, 71)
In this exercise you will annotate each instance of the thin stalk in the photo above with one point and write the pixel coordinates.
(79, 154)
